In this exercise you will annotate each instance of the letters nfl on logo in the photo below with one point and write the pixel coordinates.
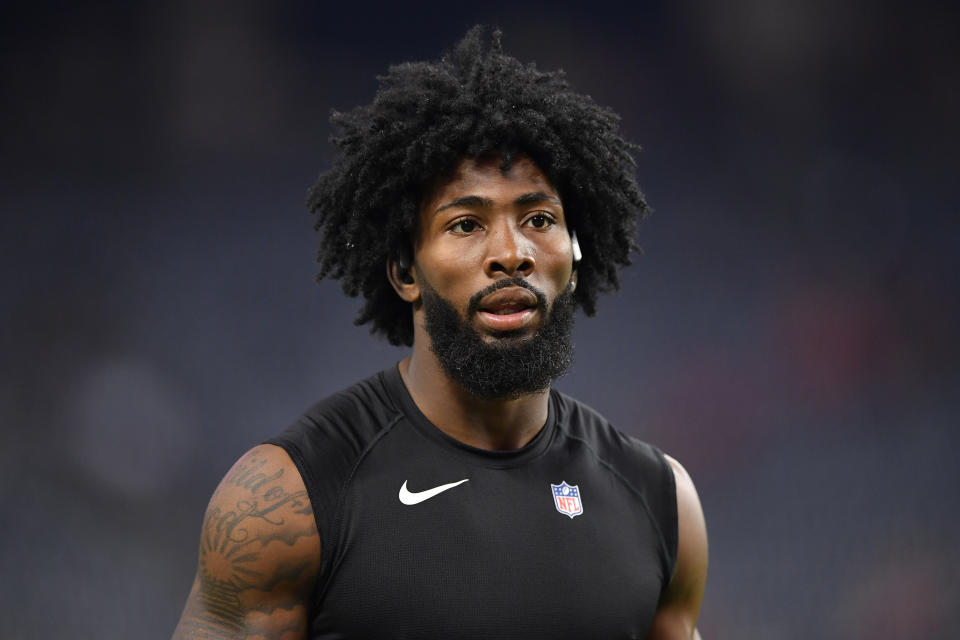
(567, 498)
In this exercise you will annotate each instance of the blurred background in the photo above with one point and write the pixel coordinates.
(790, 332)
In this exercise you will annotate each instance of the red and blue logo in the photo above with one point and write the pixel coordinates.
(566, 497)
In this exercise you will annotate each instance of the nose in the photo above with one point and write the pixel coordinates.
(509, 252)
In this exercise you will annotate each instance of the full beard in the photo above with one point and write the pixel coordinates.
(510, 366)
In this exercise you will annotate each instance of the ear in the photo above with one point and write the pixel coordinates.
(403, 280)
(573, 279)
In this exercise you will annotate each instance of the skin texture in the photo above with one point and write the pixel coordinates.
(260, 552)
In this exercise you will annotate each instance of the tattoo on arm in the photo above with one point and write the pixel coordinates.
(251, 578)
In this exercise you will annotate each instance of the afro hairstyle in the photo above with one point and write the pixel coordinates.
(474, 102)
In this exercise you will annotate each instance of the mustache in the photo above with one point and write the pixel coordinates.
(474, 305)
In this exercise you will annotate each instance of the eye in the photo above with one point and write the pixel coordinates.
(541, 221)
(464, 225)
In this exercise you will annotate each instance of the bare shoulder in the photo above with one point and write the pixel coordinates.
(688, 501)
(259, 553)
(692, 553)
(680, 606)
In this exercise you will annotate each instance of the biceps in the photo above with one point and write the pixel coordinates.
(217, 611)
(680, 606)
(258, 557)
(673, 624)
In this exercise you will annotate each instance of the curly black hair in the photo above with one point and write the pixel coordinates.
(474, 102)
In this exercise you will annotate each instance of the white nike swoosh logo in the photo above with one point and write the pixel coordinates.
(407, 497)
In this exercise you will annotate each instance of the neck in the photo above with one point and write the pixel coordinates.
(492, 424)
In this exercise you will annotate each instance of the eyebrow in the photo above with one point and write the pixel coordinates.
(477, 201)
(466, 201)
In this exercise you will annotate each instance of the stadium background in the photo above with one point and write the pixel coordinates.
(789, 333)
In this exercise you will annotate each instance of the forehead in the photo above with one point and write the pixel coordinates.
(485, 176)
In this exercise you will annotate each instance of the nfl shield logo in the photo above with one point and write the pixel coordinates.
(566, 497)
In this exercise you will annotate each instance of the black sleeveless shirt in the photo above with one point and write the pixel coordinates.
(423, 536)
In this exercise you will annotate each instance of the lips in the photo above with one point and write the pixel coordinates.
(508, 309)
(508, 300)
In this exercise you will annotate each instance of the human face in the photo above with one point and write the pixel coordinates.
(484, 225)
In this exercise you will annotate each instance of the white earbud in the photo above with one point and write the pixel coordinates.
(577, 255)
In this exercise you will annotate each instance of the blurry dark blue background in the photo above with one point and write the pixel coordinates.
(789, 332)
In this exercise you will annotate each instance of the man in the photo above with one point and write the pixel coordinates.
(475, 204)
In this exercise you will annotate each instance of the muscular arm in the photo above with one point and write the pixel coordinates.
(259, 554)
(679, 607)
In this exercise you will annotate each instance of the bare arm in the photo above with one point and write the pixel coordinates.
(259, 554)
(679, 608)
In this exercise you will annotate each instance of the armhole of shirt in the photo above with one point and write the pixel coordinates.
(667, 514)
(654, 484)
(327, 502)
(316, 500)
